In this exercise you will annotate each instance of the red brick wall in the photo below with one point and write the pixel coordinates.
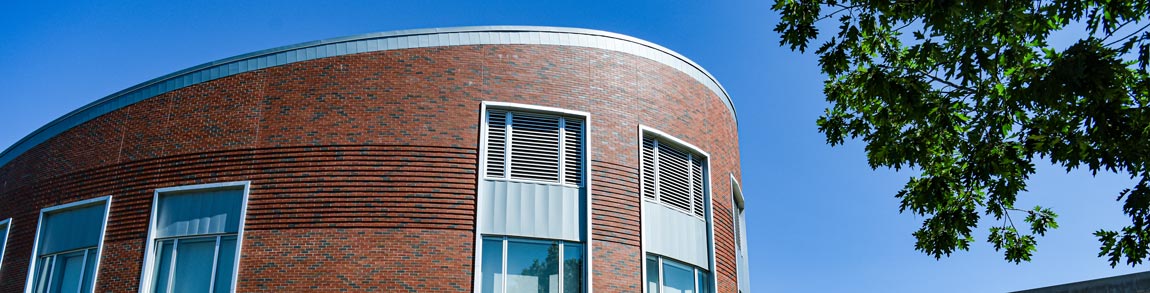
(363, 167)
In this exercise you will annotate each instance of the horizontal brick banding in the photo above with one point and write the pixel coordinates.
(617, 267)
(358, 260)
(363, 167)
(615, 211)
(387, 188)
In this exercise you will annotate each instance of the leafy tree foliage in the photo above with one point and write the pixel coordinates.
(971, 93)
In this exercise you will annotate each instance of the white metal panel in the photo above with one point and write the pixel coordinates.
(675, 234)
(534, 210)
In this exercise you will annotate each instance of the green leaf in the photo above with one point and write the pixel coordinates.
(975, 96)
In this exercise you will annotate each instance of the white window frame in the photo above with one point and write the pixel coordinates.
(7, 223)
(738, 200)
(588, 248)
(149, 253)
(107, 202)
(644, 130)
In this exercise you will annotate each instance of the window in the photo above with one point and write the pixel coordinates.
(677, 227)
(740, 227)
(67, 249)
(668, 276)
(536, 147)
(195, 238)
(532, 202)
(519, 265)
(4, 238)
(673, 176)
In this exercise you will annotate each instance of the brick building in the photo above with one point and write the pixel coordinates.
(477, 159)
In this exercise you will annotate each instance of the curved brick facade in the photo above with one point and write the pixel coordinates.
(363, 167)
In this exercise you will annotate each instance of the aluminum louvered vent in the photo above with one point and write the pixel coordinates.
(537, 147)
(672, 176)
(697, 184)
(573, 151)
(738, 231)
(649, 168)
(496, 143)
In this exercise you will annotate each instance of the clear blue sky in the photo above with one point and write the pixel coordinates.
(820, 219)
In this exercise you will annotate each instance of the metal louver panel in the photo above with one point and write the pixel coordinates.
(573, 151)
(674, 178)
(534, 147)
(496, 143)
(697, 185)
(738, 238)
(648, 168)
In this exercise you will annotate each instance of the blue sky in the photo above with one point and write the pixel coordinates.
(820, 219)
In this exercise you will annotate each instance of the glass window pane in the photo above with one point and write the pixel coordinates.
(744, 275)
(652, 275)
(677, 279)
(194, 259)
(67, 272)
(704, 284)
(226, 263)
(162, 266)
(72, 229)
(199, 213)
(572, 268)
(492, 270)
(3, 235)
(532, 267)
(45, 267)
(89, 270)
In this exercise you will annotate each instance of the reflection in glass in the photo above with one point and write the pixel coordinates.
(66, 274)
(3, 236)
(160, 278)
(704, 286)
(677, 279)
(533, 267)
(89, 271)
(194, 258)
(195, 264)
(572, 268)
(492, 270)
(652, 275)
(515, 265)
(227, 263)
(45, 266)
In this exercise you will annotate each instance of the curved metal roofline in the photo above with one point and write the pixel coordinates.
(401, 39)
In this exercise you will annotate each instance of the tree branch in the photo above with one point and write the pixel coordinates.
(836, 11)
(1129, 35)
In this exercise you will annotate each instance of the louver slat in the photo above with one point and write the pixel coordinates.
(674, 178)
(539, 147)
(697, 192)
(738, 238)
(496, 143)
(648, 168)
(534, 147)
(572, 148)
